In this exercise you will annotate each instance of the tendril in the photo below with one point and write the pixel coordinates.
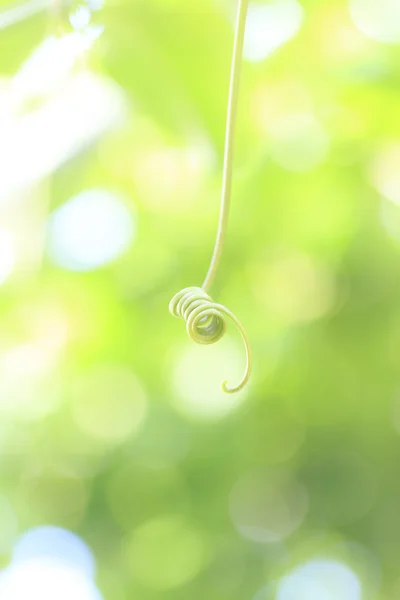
(206, 320)
(206, 323)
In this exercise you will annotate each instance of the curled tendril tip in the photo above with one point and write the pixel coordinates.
(206, 324)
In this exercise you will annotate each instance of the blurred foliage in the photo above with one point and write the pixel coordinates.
(112, 424)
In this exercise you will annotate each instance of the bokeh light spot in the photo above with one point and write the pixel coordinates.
(269, 26)
(320, 580)
(273, 100)
(340, 40)
(45, 579)
(266, 506)
(90, 230)
(390, 219)
(197, 376)
(378, 19)
(95, 4)
(298, 142)
(180, 172)
(80, 17)
(109, 403)
(28, 359)
(294, 289)
(166, 553)
(384, 172)
(55, 543)
(29, 388)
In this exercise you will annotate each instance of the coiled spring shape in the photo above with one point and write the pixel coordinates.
(205, 319)
(206, 324)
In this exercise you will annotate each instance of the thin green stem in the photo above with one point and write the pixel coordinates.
(229, 143)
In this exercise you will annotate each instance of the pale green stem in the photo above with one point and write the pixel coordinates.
(205, 320)
(229, 143)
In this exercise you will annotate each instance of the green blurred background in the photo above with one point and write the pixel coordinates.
(113, 424)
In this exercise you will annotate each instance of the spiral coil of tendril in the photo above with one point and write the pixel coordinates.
(206, 323)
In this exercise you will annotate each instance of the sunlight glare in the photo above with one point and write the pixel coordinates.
(90, 230)
(320, 579)
(46, 579)
(34, 144)
(269, 26)
(377, 19)
(55, 543)
(49, 64)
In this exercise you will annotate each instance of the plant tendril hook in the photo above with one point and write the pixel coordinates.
(206, 320)
(206, 323)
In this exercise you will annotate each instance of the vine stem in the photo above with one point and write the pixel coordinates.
(229, 143)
